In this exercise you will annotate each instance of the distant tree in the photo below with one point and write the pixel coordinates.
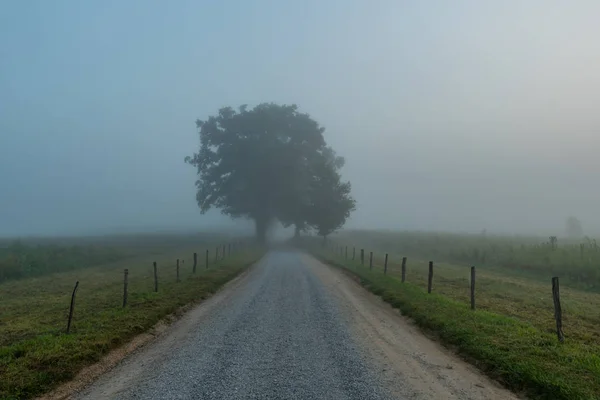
(553, 242)
(573, 228)
(260, 164)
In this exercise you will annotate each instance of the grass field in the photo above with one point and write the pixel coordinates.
(36, 354)
(23, 258)
(575, 261)
(512, 333)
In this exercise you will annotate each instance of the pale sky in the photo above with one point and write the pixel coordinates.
(452, 115)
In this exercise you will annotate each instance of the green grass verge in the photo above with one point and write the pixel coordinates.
(516, 353)
(35, 354)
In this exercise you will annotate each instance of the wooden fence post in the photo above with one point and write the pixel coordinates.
(195, 262)
(472, 288)
(353, 253)
(430, 277)
(385, 264)
(125, 284)
(557, 309)
(403, 269)
(206, 262)
(155, 277)
(362, 256)
(178, 280)
(72, 308)
(371, 260)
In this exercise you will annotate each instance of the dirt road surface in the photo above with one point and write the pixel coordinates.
(293, 328)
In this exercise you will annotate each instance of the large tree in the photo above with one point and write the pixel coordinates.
(330, 199)
(258, 164)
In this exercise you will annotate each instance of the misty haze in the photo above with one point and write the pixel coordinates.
(235, 172)
(459, 117)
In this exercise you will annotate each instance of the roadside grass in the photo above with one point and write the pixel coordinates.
(526, 299)
(35, 353)
(510, 336)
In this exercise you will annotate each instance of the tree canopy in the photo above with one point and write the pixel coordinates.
(270, 163)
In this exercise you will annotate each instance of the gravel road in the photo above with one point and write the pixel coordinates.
(292, 328)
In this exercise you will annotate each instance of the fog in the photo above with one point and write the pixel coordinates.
(459, 115)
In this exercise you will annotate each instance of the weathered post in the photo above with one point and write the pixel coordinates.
(195, 262)
(430, 277)
(206, 262)
(385, 264)
(403, 269)
(472, 288)
(362, 256)
(557, 309)
(371, 260)
(125, 284)
(72, 308)
(353, 253)
(178, 280)
(155, 277)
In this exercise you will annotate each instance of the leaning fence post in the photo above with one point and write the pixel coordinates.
(178, 280)
(362, 256)
(371, 260)
(403, 269)
(557, 309)
(71, 309)
(155, 277)
(206, 262)
(472, 288)
(385, 264)
(430, 277)
(125, 284)
(195, 262)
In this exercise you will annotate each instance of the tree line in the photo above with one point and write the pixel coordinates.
(271, 163)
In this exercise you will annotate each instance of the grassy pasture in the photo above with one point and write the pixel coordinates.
(512, 334)
(23, 258)
(36, 354)
(576, 262)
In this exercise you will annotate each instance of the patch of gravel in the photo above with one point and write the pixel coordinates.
(279, 336)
